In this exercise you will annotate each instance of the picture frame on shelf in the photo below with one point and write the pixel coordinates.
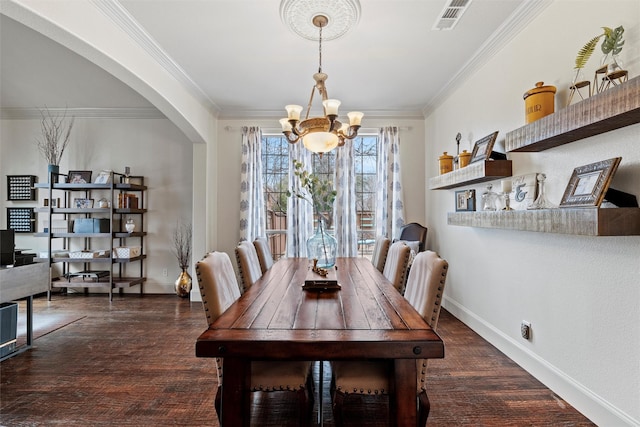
(465, 201)
(79, 177)
(483, 148)
(104, 177)
(55, 203)
(588, 184)
(81, 203)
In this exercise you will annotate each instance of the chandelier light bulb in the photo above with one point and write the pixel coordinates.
(286, 126)
(331, 106)
(320, 142)
(293, 111)
(355, 117)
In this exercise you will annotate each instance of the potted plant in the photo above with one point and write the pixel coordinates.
(321, 194)
(56, 131)
(612, 44)
(182, 239)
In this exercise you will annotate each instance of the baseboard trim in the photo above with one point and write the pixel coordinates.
(591, 405)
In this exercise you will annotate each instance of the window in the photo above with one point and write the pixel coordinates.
(275, 178)
(275, 169)
(366, 159)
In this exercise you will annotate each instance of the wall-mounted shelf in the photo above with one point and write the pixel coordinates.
(580, 221)
(487, 170)
(612, 109)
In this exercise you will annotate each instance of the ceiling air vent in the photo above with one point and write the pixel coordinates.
(451, 14)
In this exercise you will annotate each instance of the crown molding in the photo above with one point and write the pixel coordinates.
(9, 113)
(519, 20)
(127, 23)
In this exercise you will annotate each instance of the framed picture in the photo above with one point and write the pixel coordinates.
(79, 177)
(524, 191)
(482, 148)
(104, 177)
(466, 201)
(83, 203)
(588, 184)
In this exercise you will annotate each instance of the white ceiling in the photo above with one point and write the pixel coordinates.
(240, 56)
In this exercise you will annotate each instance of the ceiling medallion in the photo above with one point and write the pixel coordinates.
(298, 15)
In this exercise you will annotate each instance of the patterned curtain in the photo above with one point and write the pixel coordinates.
(389, 206)
(299, 212)
(344, 212)
(252, 212)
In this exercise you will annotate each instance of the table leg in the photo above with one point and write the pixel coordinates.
(403, 411)
(29, 321)
(235, 406)
(320, 384)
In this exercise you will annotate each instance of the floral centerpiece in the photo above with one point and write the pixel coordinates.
(321, 194)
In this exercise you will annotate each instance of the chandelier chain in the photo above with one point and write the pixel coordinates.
(320, 51)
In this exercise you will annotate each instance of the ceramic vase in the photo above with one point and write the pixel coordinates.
(52, 169)
(183, 284)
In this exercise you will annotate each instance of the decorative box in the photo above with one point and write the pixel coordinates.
(91, 225)
(55, 254)
(89, 254)
(57, 226)
(127, 251)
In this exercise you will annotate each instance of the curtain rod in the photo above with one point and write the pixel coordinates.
(275, 131)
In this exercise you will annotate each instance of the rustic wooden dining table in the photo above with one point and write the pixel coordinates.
(276, 319)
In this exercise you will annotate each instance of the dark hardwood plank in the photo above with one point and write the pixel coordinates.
(132, 363)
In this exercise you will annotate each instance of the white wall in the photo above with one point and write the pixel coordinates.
(155, 149)
(580, 294)
(229, 158)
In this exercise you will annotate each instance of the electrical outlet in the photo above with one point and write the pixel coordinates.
(164, 272)
(525, 330)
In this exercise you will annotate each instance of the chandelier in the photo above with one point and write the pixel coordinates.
(320, 134)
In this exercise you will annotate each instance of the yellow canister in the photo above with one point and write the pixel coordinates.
(539, 102)
(463, 158)
(446, 163)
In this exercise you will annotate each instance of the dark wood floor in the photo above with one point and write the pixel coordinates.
(131, 363)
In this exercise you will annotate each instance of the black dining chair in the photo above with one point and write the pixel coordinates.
(414, 232)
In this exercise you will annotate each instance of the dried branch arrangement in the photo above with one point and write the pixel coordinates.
(182, 239)
(56, 131)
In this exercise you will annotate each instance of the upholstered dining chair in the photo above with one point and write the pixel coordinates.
(380, 251)
(414, 232)
(264, 253)
(219, 289)
(248, 264)
(425, 286)
(395, 266)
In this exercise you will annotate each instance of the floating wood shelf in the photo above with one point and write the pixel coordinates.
(474, 173)
(612, 109)
(579, 221)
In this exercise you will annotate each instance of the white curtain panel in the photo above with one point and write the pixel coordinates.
(344, 211)
(299, 212)
(390, 205)
(252, 212)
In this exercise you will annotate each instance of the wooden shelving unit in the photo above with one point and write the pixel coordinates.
(110, 271)
(614, 108)
(578, 221)
(487, 170)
